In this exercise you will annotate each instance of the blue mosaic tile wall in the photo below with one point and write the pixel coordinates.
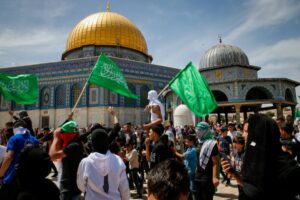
(68, 73)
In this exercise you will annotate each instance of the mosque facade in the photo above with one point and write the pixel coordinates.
(60, 83)
(234, 82)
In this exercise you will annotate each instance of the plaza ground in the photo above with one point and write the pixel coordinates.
(223, 192)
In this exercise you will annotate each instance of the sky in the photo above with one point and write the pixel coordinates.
(176, 31)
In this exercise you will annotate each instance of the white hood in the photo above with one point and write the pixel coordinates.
(100, 162)
(91, 172)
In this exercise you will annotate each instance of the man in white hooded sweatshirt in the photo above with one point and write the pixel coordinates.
(102, 174)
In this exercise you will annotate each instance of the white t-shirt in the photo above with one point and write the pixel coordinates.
(2, 153)
(133, 159)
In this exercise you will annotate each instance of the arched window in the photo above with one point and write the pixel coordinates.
(289, 95)
(144, 96)
(45, 97)
(93, 94)
(60, 96)
(258, 93)
(75, 92)
(219, 95)
(129, 102)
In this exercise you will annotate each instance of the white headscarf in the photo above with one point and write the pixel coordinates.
(153, 100)
(20, 130)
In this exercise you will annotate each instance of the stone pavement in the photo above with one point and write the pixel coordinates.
(223, 193)
(227, 192)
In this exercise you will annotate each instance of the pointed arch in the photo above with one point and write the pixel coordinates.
(144, 95)
(258, 93)
(60, 96)
(75, 92)
(45, 97)
(129, 102)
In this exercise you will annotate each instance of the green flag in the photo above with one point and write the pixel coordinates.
(107, 74)
(297, 113)
(23, 89)
(193, 90)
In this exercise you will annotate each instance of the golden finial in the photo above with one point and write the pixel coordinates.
(107, 6)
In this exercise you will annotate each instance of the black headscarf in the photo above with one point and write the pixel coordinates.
(265, 165)
(99, 141)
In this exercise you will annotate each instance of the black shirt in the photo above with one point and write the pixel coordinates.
(207, 174)
(160, 153)
(70, 163)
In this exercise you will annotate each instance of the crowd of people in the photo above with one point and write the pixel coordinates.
(99, 162)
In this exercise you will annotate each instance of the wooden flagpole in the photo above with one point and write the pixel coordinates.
(81, 93)
(164, 89)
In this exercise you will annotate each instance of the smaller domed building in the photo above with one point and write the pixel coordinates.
(237, 88)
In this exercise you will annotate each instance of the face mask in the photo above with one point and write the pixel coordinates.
(19, 130)
(200, 133)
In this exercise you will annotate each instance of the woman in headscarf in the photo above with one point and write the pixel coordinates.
(267, 171)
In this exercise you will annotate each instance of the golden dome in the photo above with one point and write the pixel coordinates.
(106, 28)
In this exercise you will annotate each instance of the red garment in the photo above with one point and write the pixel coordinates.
(67, 137)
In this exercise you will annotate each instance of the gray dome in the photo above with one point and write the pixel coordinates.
(223, 55)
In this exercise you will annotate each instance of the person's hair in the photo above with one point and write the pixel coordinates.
(191, 138)
(288, 128)
(224, 129)
(99, 140)
(240, 126)
(158, 129)
(24, 116)
(168, 180)
(20, 123)
(239, 140)
(231, 125)
(114, 148)
(165, 139)
(10, 124)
